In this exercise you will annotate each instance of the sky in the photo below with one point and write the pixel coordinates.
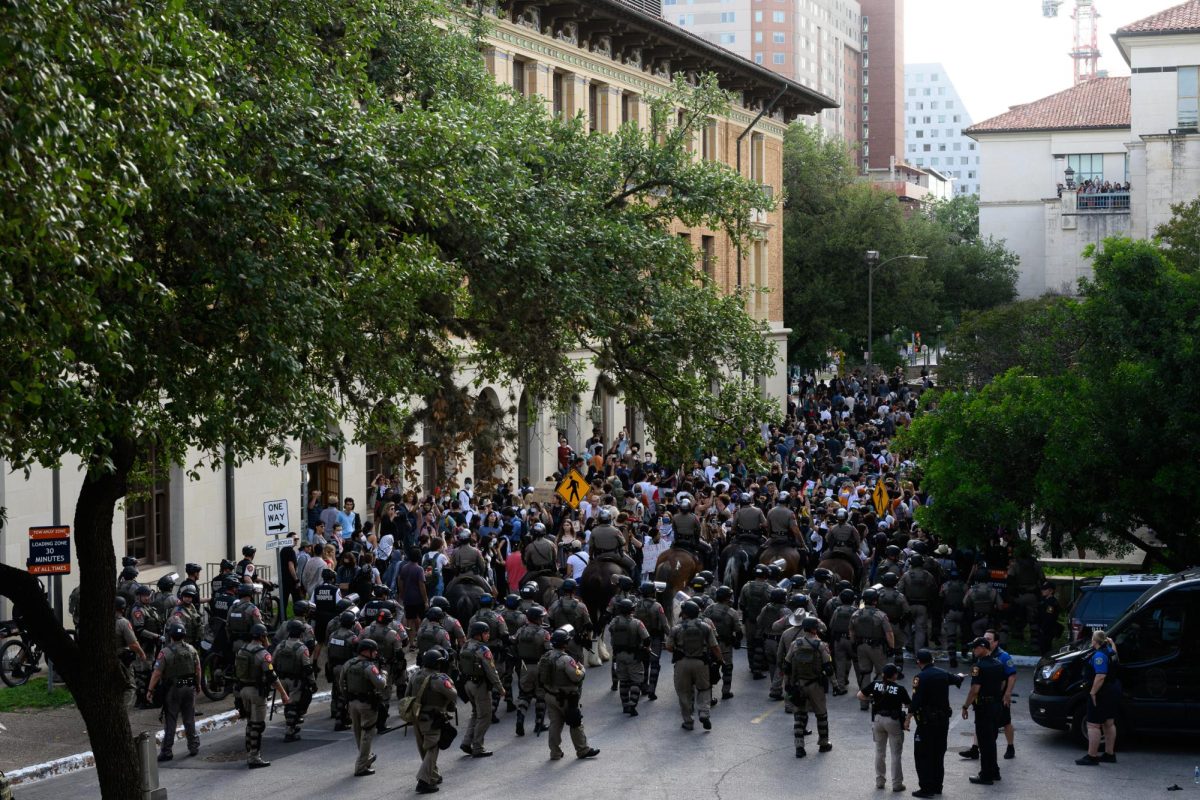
(1001, 53)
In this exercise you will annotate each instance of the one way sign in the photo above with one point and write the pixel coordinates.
(275, 517)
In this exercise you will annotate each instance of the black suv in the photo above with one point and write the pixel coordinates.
(1158, 649)
(1102, 601)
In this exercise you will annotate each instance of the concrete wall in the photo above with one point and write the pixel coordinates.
(1153, 94)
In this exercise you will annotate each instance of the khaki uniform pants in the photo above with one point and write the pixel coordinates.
(180, 702)
(427, 735)
(254, 707)
(692, 686)
(843, 659)
(888, 734)
(363, 717)
(555, 708)
(920, 627)
(870, 663)
(480, 695)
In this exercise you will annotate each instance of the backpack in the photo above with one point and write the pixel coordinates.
(409, 707)
(433, 572)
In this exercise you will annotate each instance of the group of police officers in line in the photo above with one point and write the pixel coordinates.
(805, 635)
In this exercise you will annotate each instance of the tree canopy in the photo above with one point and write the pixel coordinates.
(1098, 444)
(228, 225)
(832, 218)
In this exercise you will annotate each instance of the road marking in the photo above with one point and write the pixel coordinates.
(764, 715)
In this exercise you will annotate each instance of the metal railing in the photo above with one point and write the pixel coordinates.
(1106, 201)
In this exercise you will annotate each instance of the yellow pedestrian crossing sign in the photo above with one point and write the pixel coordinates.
(880, 499)
(572, 488)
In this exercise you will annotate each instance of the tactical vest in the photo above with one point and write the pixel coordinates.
(920, 586)
(387, 640)
(219, 606)
(513, 620)
(241, 619)
(491, 618)
(624, 633)
(691, 638)
(325, 599)
(565, 612)
(357, 683)
(647, 611)
(780, 520)
(747, 520)
(154, 618)
(839, 622)
(531, 643)
(770, 614)
(891, 603)
(686, 526)
(248, 666)
(606, 539)
(540, 554)
(866, 624)
(340, 648)
(841, 536)
(179, 661)
(429, 636)
(125, 589)
(289, 659)
(983, 598)
(806, 661)
(757, 594)
(722, 617)
(955, 593)
(556, 673)
(470, 660)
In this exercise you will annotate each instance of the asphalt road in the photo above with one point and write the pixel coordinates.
(748, 754)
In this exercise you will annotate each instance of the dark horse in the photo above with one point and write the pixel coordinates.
(548, 585)
(844, 566)
(777, 549)
(675, 567)
(463, 594)
(738, 560)
(597, 585)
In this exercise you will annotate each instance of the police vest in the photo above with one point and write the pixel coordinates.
(955, 593)
(652, 616)
(248, 666)
(624, 633)
(839, 622)
(606, 539)
(891, 602)
(179, 661)
(429, 635)
(540, 554)
(387, 639)
(757, 593)
(685, 525)
(241, 619)
(747, 519)
(920, 586)
(566, 612)
(983, 598)
(289, 659)
(471, 659)
(491, 618)
(722, 616)
(531, 643)
(340, 647)
(513, 619)
(325, 599)
(806, 661)
(565, 674)
(867, 624)
(691, 638)
(357, 683)
(780, 520)
(219, 606)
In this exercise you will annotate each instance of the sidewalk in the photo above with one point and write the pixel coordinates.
(39, 735)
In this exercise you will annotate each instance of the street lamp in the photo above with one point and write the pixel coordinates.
(873, 263)
(1070, 176)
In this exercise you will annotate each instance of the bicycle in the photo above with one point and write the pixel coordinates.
(20, 658)
(215, 682)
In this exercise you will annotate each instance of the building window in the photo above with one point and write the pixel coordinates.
(728, 16)
(148, 518)
(920, 134)
(557, 100)
(970, 145)
(758, 158)
(727, 38)
(779, 37)
(758, 58)
(629, 107)
(518, 77)
(758, 16)
(778, 16)
(963, 160)
(865, 24)
(778, 58)
(1188, 81)
(687, 19)
(1087, 166)
(758, 37)
(708, 255)
(926, 147)
(594, 90)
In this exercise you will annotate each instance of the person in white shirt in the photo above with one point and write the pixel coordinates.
(577, 561)
(465, 497)
(710, 471)
(652, 547)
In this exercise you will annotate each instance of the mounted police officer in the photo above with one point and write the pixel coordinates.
(531, 642)
(728, 624)
(363, 685)
(178, 669)
(296, 670)
(435, 692)
(540, 555)
(608, 543)
(477, 665)
(749, 520)
(255, 672)
(808, 666)
(692, 644)
(686, 526)
(562, 678)
(781, 521)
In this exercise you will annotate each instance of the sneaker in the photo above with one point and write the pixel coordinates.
(726, 695)
(362, 773)
(688, 726)
(706, 723)
(426, 788)
(971, 753)
(164, 757)
(899, 787)
(1087, 761)
(481, 754)
(1010, 753)
(1108, 758)
(466, 748)
(257, 763)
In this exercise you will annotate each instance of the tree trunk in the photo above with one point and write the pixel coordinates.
(89, 665)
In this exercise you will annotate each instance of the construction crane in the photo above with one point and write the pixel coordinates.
(1086, 49)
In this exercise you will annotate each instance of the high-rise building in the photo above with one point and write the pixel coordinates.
(935, 117)
(882, 131)
(815, 42)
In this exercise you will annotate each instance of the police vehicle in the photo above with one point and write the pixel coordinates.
(1158, 657)
(1102, 601)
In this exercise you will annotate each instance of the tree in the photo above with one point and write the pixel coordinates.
(1181, 235)
(231, 225)
(1097, 445)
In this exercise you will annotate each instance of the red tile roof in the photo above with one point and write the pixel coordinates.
(1183, 18)
(1097, 104)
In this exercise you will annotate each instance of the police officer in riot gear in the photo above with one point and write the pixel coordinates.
(177, 668)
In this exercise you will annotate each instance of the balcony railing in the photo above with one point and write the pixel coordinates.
(1106, 201)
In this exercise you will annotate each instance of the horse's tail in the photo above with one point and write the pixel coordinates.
(732, 574)
(464, 606)
(664, 572)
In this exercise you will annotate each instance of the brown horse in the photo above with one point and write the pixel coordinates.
(548, 586)
(675, 567)
(790, 553)
(841, 566)
(597, 585)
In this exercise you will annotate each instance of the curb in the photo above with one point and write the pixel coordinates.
(85, 760)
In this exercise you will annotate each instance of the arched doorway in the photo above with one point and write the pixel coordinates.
(487, 446)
